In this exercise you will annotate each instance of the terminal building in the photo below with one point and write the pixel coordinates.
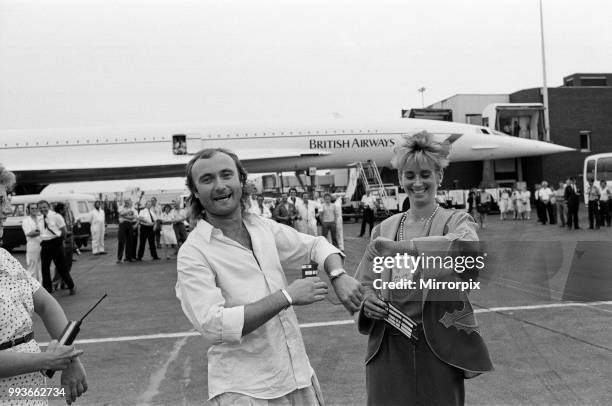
(580, 114)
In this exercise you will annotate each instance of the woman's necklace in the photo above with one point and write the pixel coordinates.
(403, 221)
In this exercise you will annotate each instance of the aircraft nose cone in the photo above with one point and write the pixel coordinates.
(528, 147)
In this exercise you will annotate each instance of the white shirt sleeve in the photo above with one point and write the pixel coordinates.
(59, 220)
(203, 302)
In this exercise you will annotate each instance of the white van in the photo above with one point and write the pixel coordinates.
(78, 204)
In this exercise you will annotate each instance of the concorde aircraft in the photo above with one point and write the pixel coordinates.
(40, 157)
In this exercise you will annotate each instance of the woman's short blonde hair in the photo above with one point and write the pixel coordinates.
(420, 147)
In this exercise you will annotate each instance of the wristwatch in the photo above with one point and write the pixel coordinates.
(336, 273)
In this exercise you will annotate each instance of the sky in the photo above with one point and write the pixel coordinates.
(98, 63)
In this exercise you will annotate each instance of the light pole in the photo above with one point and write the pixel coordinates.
(422, 91)
(545, 88)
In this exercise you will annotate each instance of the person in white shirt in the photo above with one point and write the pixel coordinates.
(96, 218)
(604, 203)
(52, 233)
(294, 199)
(168, 236)
(593, 194)
(259, 208)
(308, 215)
(339, 223)
(32, 233)
(524, 204)
(545, 195)
(147, 219)
(504, 204)
(369, 204)
(157, 210)
(179, 223)
(328, 216)
(233, 289)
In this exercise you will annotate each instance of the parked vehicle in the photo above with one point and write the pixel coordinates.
(76, 205)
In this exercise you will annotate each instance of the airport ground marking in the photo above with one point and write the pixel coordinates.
(194, 333)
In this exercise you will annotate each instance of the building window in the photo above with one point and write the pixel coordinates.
(593, 81)
(585, 141)
(475, 119)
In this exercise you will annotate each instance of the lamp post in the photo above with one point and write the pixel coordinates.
(544, 88)
(422, 91)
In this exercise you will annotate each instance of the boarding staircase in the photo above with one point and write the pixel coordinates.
(370, 176)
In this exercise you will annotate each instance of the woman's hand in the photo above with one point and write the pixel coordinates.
(384, 247)
(373, 307)
(59, 357)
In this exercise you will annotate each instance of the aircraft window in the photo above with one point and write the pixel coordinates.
(308, 132)
(56, 142)
(36, 142)
(98, 140)
(264, 134)
(484, 131)
(66, 142)
(291, 133)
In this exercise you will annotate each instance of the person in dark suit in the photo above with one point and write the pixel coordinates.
(572, 197)
(285, 212)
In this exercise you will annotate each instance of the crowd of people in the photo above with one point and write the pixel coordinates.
(308, 214)
(162, 228)
(552, 206)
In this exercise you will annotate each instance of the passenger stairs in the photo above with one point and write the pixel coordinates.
(370, 176)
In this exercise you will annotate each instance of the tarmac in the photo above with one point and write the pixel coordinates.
(545, 310)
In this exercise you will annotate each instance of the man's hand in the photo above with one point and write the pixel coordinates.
(74, 381)
(307, 291)
(349, 291)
